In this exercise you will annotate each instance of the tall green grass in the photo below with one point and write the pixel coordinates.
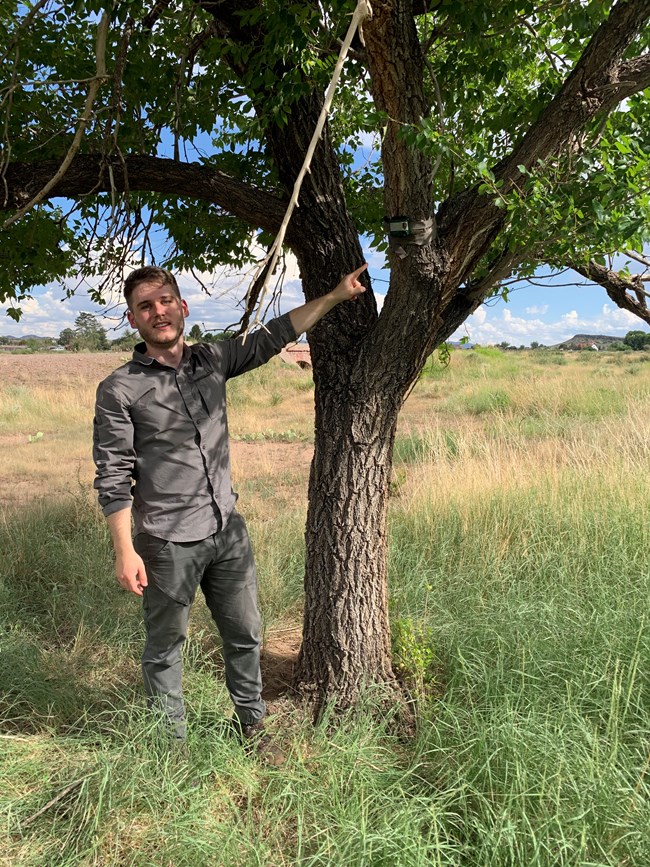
(519, 585)
(534, 608)
(533, 737)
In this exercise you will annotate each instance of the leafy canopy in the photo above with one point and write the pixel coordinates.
(176, 86)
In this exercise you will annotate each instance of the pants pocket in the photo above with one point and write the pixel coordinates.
(175, 568)
(149, 547)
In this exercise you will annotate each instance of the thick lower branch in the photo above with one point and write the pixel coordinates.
(93, 90)
(89, 174)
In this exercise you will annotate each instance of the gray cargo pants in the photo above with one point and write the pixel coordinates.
(223, 566)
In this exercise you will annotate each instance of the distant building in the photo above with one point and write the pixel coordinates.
(297, 353)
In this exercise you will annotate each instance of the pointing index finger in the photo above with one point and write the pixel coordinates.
(356, 273)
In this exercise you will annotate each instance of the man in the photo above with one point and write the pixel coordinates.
(162, 457)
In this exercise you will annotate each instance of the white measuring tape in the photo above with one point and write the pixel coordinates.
(362, 11)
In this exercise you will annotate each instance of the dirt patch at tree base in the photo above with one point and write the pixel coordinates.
(278, 661)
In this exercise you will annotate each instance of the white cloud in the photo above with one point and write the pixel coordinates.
(376, 260)
(480, 316)
(43, 315)
(369, 142)
(49, 311)
(491, 325)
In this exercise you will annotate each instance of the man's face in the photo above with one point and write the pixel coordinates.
(158, 314)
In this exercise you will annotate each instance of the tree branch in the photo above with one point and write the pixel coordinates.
(22, 27)
(154, 14)
(633, 77)
(251, 302)
(643, 260)
(500, 269)
(588, 89)
(396, 67)
(88, 174)
(93, 89)
(626, 292)
(199, 41)
(593, 86)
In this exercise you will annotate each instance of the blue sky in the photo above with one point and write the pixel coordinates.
(547, 313)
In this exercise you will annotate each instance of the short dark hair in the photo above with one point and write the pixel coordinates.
(149, 274)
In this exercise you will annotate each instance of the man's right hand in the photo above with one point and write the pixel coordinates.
(129, 568)
(130, 572)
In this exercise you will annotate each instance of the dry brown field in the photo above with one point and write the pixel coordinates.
(53, 394)
(490, 419)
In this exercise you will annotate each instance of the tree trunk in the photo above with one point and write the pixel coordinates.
(346, 634)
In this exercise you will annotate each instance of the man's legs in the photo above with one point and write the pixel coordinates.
(224, 566)
(174, 571)
(166, 624)
(230, 587)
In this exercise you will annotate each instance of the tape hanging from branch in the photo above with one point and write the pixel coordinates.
(362, 11)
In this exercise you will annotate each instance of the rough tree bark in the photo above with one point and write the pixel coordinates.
(346, 635)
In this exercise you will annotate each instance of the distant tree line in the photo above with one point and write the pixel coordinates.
(633, 341)
(195, 335)
(89, 336)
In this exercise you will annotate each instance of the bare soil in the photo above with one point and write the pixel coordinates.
(57, 369)
(68, 462)
(279, 657)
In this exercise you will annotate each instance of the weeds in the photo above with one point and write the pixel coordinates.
(519, 580)
(272, 436)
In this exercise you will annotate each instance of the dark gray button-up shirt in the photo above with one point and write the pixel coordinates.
(166, 430)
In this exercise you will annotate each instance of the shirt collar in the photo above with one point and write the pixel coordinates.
(140, 355)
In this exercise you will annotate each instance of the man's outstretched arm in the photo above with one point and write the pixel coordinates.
(305, 317)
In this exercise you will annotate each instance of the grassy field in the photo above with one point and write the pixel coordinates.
(519, 573)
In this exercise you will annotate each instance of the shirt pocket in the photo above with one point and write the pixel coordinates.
(212, 392)
(141, 408)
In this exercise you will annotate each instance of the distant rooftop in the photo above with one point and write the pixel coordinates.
(297, 353)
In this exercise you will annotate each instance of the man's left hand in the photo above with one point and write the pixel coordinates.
(350, 286)
(305, 317)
